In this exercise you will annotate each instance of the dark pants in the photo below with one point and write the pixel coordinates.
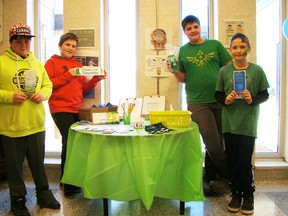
(208, 118)
(63, 121)
(16, 149)
(239, 149)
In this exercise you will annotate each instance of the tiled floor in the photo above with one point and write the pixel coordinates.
(271, 199)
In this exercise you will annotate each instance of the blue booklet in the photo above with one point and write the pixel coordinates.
(239, 79)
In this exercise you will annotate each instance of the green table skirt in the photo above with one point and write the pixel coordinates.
(137, 165)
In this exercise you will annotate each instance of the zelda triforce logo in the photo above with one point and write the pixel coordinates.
(21, 77)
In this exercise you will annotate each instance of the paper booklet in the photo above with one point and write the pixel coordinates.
(239, 79)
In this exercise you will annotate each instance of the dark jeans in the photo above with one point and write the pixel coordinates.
(63, 121)
(16, 149)
(239, 150)
(208, 118)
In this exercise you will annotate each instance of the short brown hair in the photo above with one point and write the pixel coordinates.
(68, 36)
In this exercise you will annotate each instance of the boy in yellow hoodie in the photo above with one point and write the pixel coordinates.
(24, 85)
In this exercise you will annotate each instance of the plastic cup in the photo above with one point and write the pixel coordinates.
(127, 118)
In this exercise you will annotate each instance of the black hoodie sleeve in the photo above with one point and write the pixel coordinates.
(259, 98)
(220, 97)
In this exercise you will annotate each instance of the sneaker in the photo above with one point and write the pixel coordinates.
(71, 191)
(219, 186)
(71, 194)
(46, 199)
(235, 203)
(247, 206)
(18, 207)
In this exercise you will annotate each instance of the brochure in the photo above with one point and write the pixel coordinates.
(239, 80)
(30, 82)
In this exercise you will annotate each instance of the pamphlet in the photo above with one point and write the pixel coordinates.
(239, 79)
(30, 82)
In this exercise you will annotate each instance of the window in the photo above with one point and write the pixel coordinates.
(50, 28)
(202, 12)
(122, 49)
(269, 58)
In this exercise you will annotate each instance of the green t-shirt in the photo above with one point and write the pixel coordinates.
(201, 64)
(240, 117)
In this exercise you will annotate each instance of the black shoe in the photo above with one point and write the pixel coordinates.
(72, 194)
(247, 207)
(219, 186)
(235, 203)
(46, 199)
(70, 191)
(18, 207)
(207, 191)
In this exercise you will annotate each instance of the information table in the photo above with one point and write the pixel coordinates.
(136, 165)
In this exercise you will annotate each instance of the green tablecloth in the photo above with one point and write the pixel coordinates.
(137, 165)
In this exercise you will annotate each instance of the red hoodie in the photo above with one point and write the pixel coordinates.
(68, 90)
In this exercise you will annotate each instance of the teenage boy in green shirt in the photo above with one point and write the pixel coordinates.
(199, 63)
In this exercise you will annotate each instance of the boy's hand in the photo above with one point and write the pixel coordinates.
(230, 98)
(19, 98)
(37, 97)
(168, 65)
(247, 96)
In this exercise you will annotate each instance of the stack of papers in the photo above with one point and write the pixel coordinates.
(107, 129)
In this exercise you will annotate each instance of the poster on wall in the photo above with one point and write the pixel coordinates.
(157, 39)
(85, 37)
(88, 58)
(156, 66)
(232, 27)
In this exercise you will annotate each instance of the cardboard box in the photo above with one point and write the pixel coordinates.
(104, 115)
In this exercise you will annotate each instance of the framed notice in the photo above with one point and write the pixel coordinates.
(153, 103)
(239, 80)
(85, 37)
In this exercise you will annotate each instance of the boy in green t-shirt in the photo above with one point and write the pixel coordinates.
(240, 114)
(199, 63)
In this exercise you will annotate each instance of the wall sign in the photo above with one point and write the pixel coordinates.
(85, 37)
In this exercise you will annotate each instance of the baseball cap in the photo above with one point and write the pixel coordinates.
(20, 30)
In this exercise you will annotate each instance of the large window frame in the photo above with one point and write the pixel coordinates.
(105, 56)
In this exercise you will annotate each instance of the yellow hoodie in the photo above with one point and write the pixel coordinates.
(29, 117)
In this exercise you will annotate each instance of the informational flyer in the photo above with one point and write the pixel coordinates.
(30, 82)
(239, 83)
(156, 66)
(232, 27)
